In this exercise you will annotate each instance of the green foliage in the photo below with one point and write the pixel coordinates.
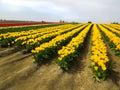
(66, 61)
(101, 74)
(110, 43)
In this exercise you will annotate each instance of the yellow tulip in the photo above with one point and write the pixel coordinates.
(96, 68)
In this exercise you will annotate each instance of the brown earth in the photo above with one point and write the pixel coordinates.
(18, 72)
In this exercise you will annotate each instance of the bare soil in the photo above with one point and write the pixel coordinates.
(18, 72)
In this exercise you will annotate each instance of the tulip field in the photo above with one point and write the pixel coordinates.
(59, 46)
(22, 23)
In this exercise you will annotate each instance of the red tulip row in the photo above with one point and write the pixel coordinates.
(23, 24)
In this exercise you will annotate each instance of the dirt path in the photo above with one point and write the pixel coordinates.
(18, 72)
(14, 66)
(115, 65)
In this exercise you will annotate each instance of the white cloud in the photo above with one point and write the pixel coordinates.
(36, 5)
(23, 3)
(71, 10)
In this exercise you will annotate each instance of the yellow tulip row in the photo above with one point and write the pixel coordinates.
(48, 35)
(113, 38)
(30, 32)
(24, 37)
(99, 58)
(73, 45)
(38, 33)
(112, 29)
(116, 26)
(56, 41)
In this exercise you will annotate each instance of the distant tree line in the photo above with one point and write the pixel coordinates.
(114, 23)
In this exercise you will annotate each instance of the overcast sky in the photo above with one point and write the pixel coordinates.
(99, 11)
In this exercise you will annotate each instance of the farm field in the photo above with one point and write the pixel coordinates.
(9, 23)
(61, 57)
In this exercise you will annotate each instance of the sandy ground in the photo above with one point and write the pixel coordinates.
(18, 72)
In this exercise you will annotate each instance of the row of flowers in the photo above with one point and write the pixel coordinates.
(117, 32)
(19, 37)
(19, 26)
(112, 39)
(31, 43)
(32, 31)
(68, 53)
(26, 28)
(100, 63)
(48, 49)
(116, 26)
(24, 23)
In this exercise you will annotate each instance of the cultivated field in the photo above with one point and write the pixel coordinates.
(9, 23)
(60, 57)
